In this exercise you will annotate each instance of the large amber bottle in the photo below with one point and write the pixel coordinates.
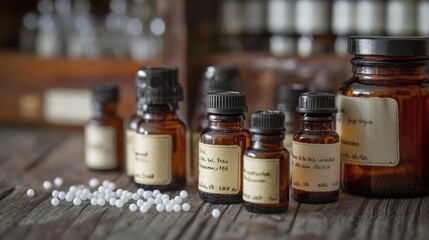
(384, 116)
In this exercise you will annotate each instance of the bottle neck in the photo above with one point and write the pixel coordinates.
(226, 122)
(317, 122)
(267, 141)
(157, 111)
(103, 109)
(383, 68)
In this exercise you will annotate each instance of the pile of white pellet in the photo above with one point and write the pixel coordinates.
(106, 193)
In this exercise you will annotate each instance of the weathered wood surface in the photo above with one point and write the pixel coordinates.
(30, 156)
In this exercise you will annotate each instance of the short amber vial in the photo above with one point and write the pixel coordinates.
(315, 162)
(266, 165)
(160, 141)
(221, 148)
(104, 132)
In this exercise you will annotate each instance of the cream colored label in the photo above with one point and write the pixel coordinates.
(131, 154)
(261, 180)
(100, 147)
(369, 131)
(315, 167)
(220, 168)
(153, 159)
(195, 154)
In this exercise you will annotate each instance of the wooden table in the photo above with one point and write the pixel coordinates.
(29, 156)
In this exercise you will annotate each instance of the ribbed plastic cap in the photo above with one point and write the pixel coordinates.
(317, 103)
(227, 102)
(389, 46)
(267, 121)
(105, 92)
(287, 96)
(158, 85)
(222, 77)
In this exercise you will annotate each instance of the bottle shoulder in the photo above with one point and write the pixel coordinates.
(321, 137)
(267, 154)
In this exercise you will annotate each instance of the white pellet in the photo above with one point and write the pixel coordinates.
(94, 202)
(94, 182)
(143, 209)
(105, 183)
(215, 213)
(168, 208)
(129, 195)
(160, 208)
(140, 202)
(83, 196)
(183, 194)
(140, 191)
(177, 208)
(146, 205)
(178, 199)
(119, 192)
(58, 181)
(55, 201)
(73, 189)
(90, 195)
(78, 192)
(47, 185)
(147, 194)
(95, 194)
(136, 196)
(157, 201)
(69, 197)
(119, 203)
(112, 202)
(107, 197)
(101, 202)
(77, 201)
(101, 189)
(124, 199)
(165, 196)
(111, 185)
(55, 193)
(108, 191)
(186, 207)
(155, 193)
(172, 202)
(133, 207)
(114, 195)
(86, 191)
(61, 195)
(165, 201)
(151, 201)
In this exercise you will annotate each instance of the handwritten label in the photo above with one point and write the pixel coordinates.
(131, 154)
(315, 167)
(219, 168)
(100, 147)
(369, 131)
(261, 180)
(153, 159)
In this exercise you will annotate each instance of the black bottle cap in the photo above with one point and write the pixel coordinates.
(389, 46)
(104, 92)
(317, 103)
(227, 102)
(287, 96)
(223, 77)
(158, 85)
(268, 121)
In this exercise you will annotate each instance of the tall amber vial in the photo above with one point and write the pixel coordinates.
(104, 134)
(222, 145)
(315, 167)
(266, 165)
(160, 141)
(384, 118)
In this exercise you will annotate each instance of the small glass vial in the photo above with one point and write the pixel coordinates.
(315, 167)
(222, 146)
(221, 77)
(104, 132)
(160, 141)
(266, 165)
(383, 118)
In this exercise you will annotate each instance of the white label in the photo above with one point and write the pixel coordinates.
(369, 130)
(369, 17)
(315, 167)
(220, 168)
(312, 17)
(100, 147)
(343, 17)
(153, 159)
(261, 180)
(131, 154)
(281, 16)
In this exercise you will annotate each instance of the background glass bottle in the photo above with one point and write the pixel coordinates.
(266, 165)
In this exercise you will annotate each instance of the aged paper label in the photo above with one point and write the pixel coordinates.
(315, 167)
(369, 131)
(131, 154)
(220, 168)
(100, 147)
(261, 180)
(153, 159)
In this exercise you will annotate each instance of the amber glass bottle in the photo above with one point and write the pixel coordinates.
(266, 165)
(384, 116)
(216, 78)
(160, 144)
(104, 132)
(221, 148)
(315, 167)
